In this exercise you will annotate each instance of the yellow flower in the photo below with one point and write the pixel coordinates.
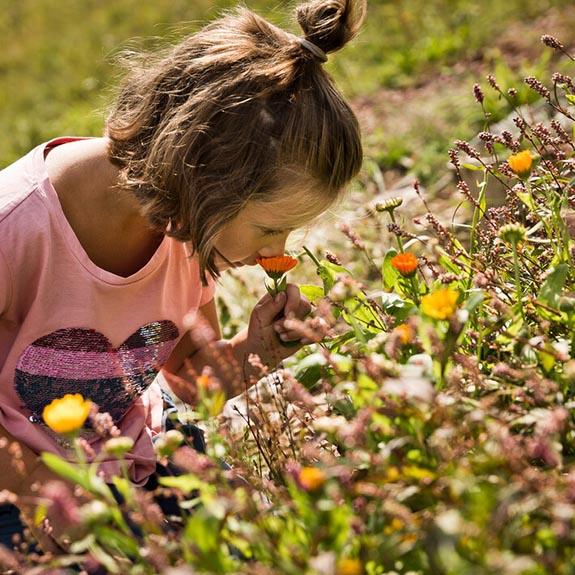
(311, 478)
(520, 163)
(405, 264)
(277, 266)
(396, 524)
(67, 414)
(349, 567)
(440, 304)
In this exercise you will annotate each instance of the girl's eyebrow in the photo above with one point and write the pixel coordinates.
(274, 229)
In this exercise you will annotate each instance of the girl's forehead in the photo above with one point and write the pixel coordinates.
(290, 208)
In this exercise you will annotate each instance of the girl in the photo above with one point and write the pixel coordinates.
(110, 247)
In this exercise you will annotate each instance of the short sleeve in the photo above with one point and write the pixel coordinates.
(208, 291)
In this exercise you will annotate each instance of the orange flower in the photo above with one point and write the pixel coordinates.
(311, 478)
(349, 567)
(440, 304)
(203, 381)
(404, 332)
(405, 264)
(67, 414)
(277, 266)
(520, 163)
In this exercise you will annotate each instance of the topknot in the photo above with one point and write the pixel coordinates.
(330, 24)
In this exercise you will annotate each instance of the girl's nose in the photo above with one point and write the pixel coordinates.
(275, 248)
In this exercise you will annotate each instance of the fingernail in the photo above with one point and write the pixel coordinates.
(279, 297)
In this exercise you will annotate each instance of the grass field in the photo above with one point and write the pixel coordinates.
(57, 64)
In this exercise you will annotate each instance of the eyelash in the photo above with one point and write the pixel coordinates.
(273, 232)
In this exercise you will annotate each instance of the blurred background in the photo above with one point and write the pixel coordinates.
(409, 75)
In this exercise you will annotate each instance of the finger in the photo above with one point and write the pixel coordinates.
(297, 305)
(293, 300)
(305, 308)
(268, 308)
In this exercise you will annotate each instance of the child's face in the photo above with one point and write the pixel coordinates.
(262, 229)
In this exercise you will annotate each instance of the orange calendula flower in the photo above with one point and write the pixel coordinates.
(440, 304)
(311, 478)
(67, 414)
(520, 163)
(405, 333)
(203, 381)
(349, 567)
(405, 264)
(277, 266)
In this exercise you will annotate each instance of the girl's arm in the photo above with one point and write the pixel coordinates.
(22, 466)
(202, 345)
(23, 474)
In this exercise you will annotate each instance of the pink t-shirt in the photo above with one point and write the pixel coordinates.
(68, 326)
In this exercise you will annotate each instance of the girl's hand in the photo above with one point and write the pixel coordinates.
(270, 334)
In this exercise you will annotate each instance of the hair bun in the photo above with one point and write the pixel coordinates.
(330, 24)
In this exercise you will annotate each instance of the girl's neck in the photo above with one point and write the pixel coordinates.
(108, 222)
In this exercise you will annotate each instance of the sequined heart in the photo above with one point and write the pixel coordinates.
(79, 360)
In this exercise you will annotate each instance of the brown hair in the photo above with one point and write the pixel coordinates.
(228, 114)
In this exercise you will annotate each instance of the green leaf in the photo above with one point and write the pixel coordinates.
(329, 273)
(123, 486)
(551, 288)
(309, 369)
(76, 474)
(312, 292)
(527, 200)
(393, 304)
(474, 300)
(185, 483)
(473, 167)
(364, 313)
(117, 542)
(102, 557)
(389, 274)
(547, 358)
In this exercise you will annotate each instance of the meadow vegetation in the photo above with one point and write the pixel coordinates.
(429, 430)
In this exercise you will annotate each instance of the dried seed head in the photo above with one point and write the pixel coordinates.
(552, 42)
(538, 87)
(478, 93)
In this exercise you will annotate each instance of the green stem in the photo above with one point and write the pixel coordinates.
(398, 238)
(517, 279)
(474, 222)
(312, 256)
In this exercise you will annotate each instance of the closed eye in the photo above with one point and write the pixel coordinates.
(274, 232)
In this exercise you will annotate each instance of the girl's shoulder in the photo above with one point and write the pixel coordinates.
(27, 180)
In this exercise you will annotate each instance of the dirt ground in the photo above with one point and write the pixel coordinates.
(397, 111)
